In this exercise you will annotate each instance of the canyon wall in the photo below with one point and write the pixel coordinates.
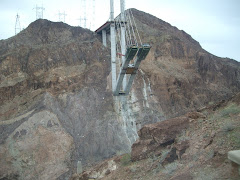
(56, 104)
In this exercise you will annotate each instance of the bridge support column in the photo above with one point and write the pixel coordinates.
(113, 46)
(104, 38)
(123, 38)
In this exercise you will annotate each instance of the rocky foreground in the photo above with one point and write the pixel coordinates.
(192, 146)
(56, 104)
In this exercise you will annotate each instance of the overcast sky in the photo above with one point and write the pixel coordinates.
(215, 24)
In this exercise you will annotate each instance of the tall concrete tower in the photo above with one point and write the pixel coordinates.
(113, 45)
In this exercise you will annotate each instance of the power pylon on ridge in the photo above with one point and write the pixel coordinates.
(17, 24)
(93, 15)
(83, 16)
(87, 15)
(39, 12)
(62, 16)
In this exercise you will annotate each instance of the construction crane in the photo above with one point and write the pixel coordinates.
(127, 49)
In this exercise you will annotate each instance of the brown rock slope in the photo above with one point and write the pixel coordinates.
(55, 82)
(193, 146)
(181, 74)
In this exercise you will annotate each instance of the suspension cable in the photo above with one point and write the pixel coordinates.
(131, 25)
(119, 33)
(128, 29)
(117, 38)
(128, 32)
(135, 26)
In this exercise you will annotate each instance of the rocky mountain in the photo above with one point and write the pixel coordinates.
(56, 104)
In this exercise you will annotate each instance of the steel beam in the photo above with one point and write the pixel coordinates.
(141, 55)
(120, 77)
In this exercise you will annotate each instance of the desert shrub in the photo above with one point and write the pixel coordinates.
(171, 168)
(228, 127)
(230, 110)
(233, 137)
(211, 103)
(126, 159)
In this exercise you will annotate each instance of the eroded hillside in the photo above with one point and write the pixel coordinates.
(193, 146)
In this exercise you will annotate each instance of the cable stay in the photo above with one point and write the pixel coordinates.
(127, 49)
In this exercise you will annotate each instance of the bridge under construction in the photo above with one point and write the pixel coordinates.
(127, 49)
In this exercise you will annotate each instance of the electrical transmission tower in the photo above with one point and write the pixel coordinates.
(80, 21)
(83, 16)
(92, 26)
(17, 24)
(62, 16)
(39, 12)
(87, 15)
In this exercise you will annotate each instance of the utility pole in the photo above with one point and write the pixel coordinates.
(39, 12)
(17, 24)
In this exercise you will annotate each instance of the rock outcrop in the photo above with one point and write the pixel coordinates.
(62, 74)
(154, 136)
(38, 149)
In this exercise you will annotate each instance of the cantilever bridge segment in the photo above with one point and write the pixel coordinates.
(127, 49)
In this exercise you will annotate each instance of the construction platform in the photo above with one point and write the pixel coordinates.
(139, 53)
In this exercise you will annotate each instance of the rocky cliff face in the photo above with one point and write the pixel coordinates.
(56, 100)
